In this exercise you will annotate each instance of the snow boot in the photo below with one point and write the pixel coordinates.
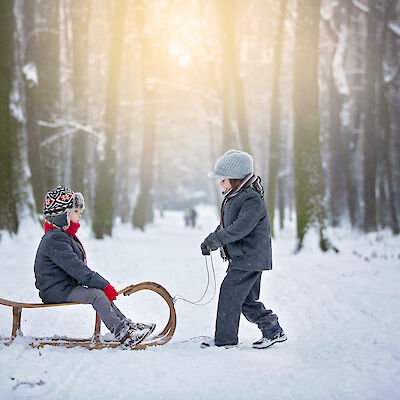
(140, 326)
(265, 342)
(135, 336)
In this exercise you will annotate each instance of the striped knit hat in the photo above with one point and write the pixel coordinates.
(59, 203)
(233, 164)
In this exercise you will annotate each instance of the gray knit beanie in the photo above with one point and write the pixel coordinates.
(233, 164)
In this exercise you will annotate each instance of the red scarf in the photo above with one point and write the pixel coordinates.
(72, 229)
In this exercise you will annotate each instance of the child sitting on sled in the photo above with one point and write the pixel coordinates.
(244, 238)
(62, 274)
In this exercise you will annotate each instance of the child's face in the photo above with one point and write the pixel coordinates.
(225, 184)
(75, 215)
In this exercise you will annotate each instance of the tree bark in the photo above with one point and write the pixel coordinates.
(233, 98)
(31, 104)
(309, 188)
(386, 210)
(80, 12)
(370, 126)
(8, 142)
(143, 211)
(47, 54)
(275, 118)
(105, 183)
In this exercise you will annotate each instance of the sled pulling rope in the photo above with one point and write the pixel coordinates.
(96, 341)
(197, 302)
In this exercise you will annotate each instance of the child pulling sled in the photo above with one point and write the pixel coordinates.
(244, 238)
(62, 274)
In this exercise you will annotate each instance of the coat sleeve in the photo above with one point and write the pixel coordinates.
(248, 217)
(62, 254)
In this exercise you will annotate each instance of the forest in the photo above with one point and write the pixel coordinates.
(131, 102)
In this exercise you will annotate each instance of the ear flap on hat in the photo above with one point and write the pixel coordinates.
(79, 201)
(60, 221)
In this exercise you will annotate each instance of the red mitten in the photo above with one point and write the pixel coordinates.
(110, 292)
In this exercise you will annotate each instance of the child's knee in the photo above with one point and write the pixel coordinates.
(98, 294)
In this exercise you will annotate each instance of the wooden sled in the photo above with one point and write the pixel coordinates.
(95, 342)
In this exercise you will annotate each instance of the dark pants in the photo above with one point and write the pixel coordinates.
(238, 294)
(108, 312)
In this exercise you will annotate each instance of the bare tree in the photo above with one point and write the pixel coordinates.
(105, 184)
(8, 123)
(275, 117)
(309, 188)
(370, 125)
(80, 13)
(143, 212)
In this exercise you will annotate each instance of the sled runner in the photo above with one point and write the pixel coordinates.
(96, 341)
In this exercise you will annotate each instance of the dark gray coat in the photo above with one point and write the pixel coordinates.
(60, 267)
(245, 232)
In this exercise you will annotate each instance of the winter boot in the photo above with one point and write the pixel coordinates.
(140, 326)
(135, 336)
(265, 342)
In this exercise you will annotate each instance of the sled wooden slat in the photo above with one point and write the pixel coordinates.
(95, 342)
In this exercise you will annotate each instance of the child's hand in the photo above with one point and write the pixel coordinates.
(110, 292)
(209, 243)
(204, 249)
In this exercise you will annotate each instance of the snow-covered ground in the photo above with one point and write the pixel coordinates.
(340, 312)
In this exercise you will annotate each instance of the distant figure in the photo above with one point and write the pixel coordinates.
(190, 217)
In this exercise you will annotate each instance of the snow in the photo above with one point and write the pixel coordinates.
(338, 64)
(340, 313)
(31, 75)
(394, 28)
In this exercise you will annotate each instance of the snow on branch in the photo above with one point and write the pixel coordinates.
(72, 126)
(394, 28)
(392, 75)
(360, 6)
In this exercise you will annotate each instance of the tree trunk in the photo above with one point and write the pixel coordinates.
(387, 210)
(336, 171)
(47, 54)
(8, 142)
(370, 125)
(352, 126)
(80, 11)
(226, 14)
(143, 211)
(309, 188)
(31, 104)
(275, 119)
(105, 184)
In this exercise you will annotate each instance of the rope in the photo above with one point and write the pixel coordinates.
(197, 302)
(195, 337)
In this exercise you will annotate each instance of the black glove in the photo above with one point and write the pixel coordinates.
(204, 250)
(210, 243)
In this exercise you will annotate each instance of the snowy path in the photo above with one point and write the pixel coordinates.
(340, 312)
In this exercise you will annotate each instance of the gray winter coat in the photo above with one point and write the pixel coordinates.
(245, 232)
(60, 267)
